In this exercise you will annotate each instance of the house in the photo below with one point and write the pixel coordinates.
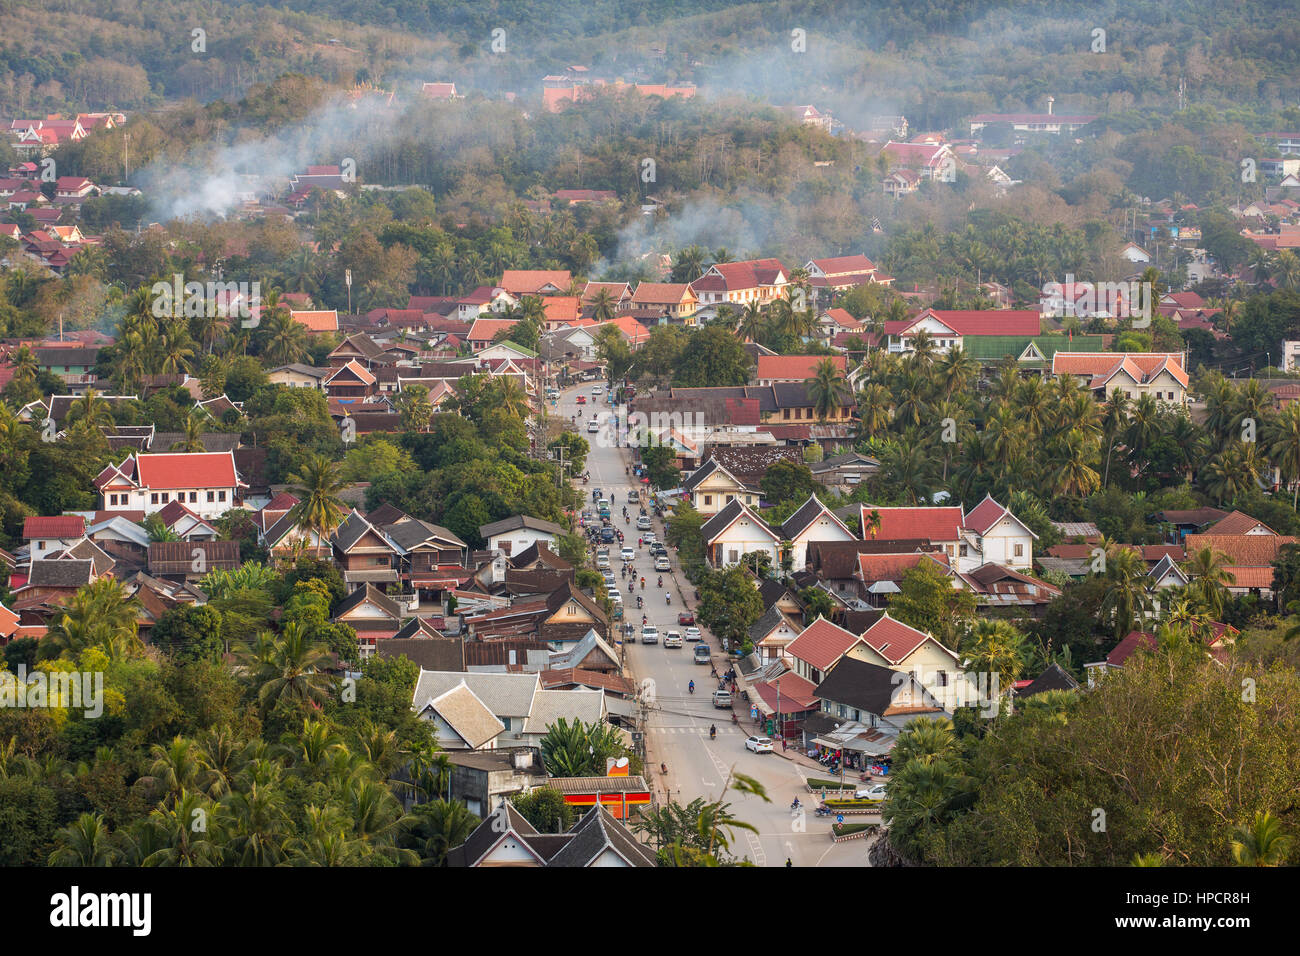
(844, 471)
(1048, 122)
(590, 654)
(185, 524)
(772, 633)
(374, 616)
(507, 697)
(1215, 638)
(364, 553)
(736, 531)
(359, 348)
(949, 329)
(874, 696)
(350, 381)
(900, 182)
(995, 585)
(520, 282)
(893, 644)
(440, 91)
(881, 575)
(841, 273)
(191, 560)
(298, 375)
(795, 368)
(519, 532)
(206, 482)
(484, 332)
(461, 721)
(811, 522)
(1251, 558)
(1162, 375)
(46, 536)
(734, 474)
(928, 161)
(597, 840)
(999, 536)
(1135, 254)
(749, 282)
(430, 558)
(675, 301)
(1054, 677)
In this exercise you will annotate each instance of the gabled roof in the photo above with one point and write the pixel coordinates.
(795, 368)
(596, 833)
(940, 524)
(1238, 522)
(410, 533)
(895, 641)
(1142, 367)
(712, 529)
(517, 522)
(353, 529)
(988, 513)
(822, 643)
(370, 594)
(807, 513)
(867, 687)
(60, 573)
(977, 322)
(468, 716)
(1054, 678)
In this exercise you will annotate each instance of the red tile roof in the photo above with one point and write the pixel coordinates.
(893, 640)
(193, 470)
(934, 524)
(795, 368)
(320, 320)
(987, 321)
(1128, 646)
(54, 526)
(821, 644)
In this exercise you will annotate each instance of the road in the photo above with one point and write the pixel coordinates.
(678, 732)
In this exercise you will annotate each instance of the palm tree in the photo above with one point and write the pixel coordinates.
(995, 647)
(1125, 596)
(316, 486)
(826, 388)
(955, 371)
(288, 669)
(910, 471)
(285, 339)
(99, 614)
(1286, 269)
(511, 397)
(85, 842)
(196, 424)
(603, 305)
(1114, 420)
(753, 323)
(25, 365)
(175, 347)
(415, 408)
(874, 404)
(1260, 842)
(1231, 472)
(1075, 476)
(1283, 441)
(437, 827)
(91, 409)
(1210, 579)
(925, 740)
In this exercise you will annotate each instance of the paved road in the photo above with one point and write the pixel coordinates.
(678, 732)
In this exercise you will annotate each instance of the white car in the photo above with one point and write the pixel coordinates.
(649, 634)
(597, 389)
(661, 564)
(593, 425)
(760, 745)
(673, 639)
(877, 792)
(627, 554)
(693, 634)
(616, 595)
(650, 538)
(602, 562)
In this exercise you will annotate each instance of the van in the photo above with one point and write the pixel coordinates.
(702, 654)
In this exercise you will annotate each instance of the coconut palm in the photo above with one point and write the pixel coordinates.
(1260, 842)
(191, 440)
(1282, 439)
(85, 842)
(316, 485)
(91, 409)
(826, 388)
(603, 305)
(416, 409)
(288, 669)
(874, 405)
(98, 614)
(437, 827)
(925, 740)
(1211, 578)
(284, 338)
(1125, 597)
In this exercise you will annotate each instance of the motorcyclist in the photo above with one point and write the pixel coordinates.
(691, 687)
(643, 582)
(661, 580)
(668, 597)
(713, 731)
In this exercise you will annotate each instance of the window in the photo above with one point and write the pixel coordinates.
(194, 497)
(153, 498)
(212, 496)
(40, 545)
(730, 498)
(708, 499)
(221, 496)
(1020, 551)
(963, 550)
(943, 678)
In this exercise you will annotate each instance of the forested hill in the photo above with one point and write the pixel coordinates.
(937, 61)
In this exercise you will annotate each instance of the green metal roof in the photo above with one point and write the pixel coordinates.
(994, 348)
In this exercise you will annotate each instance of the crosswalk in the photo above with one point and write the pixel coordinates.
(730, 731)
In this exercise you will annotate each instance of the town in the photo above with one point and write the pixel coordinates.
(555, 458)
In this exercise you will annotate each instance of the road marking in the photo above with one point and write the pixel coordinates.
(760, 855)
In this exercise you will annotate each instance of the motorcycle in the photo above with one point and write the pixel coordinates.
(713, 733)
(668, 598)
(661, 581)
(691, 687)
(824, 812)
(639, 602)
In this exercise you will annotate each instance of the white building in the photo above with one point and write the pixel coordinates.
(207, 483)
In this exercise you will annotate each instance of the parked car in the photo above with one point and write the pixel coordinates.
(607, 534)
(722, 699)
(876, 792)
(760, 745)
(643, 523)
(686, 618)
(661, 564)
(702, 654)
(673, 639)
(693, 634)
(602, 562)
(611, 582)
(649, 634)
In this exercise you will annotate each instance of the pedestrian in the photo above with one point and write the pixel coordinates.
(783, 745)
(788, 863)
